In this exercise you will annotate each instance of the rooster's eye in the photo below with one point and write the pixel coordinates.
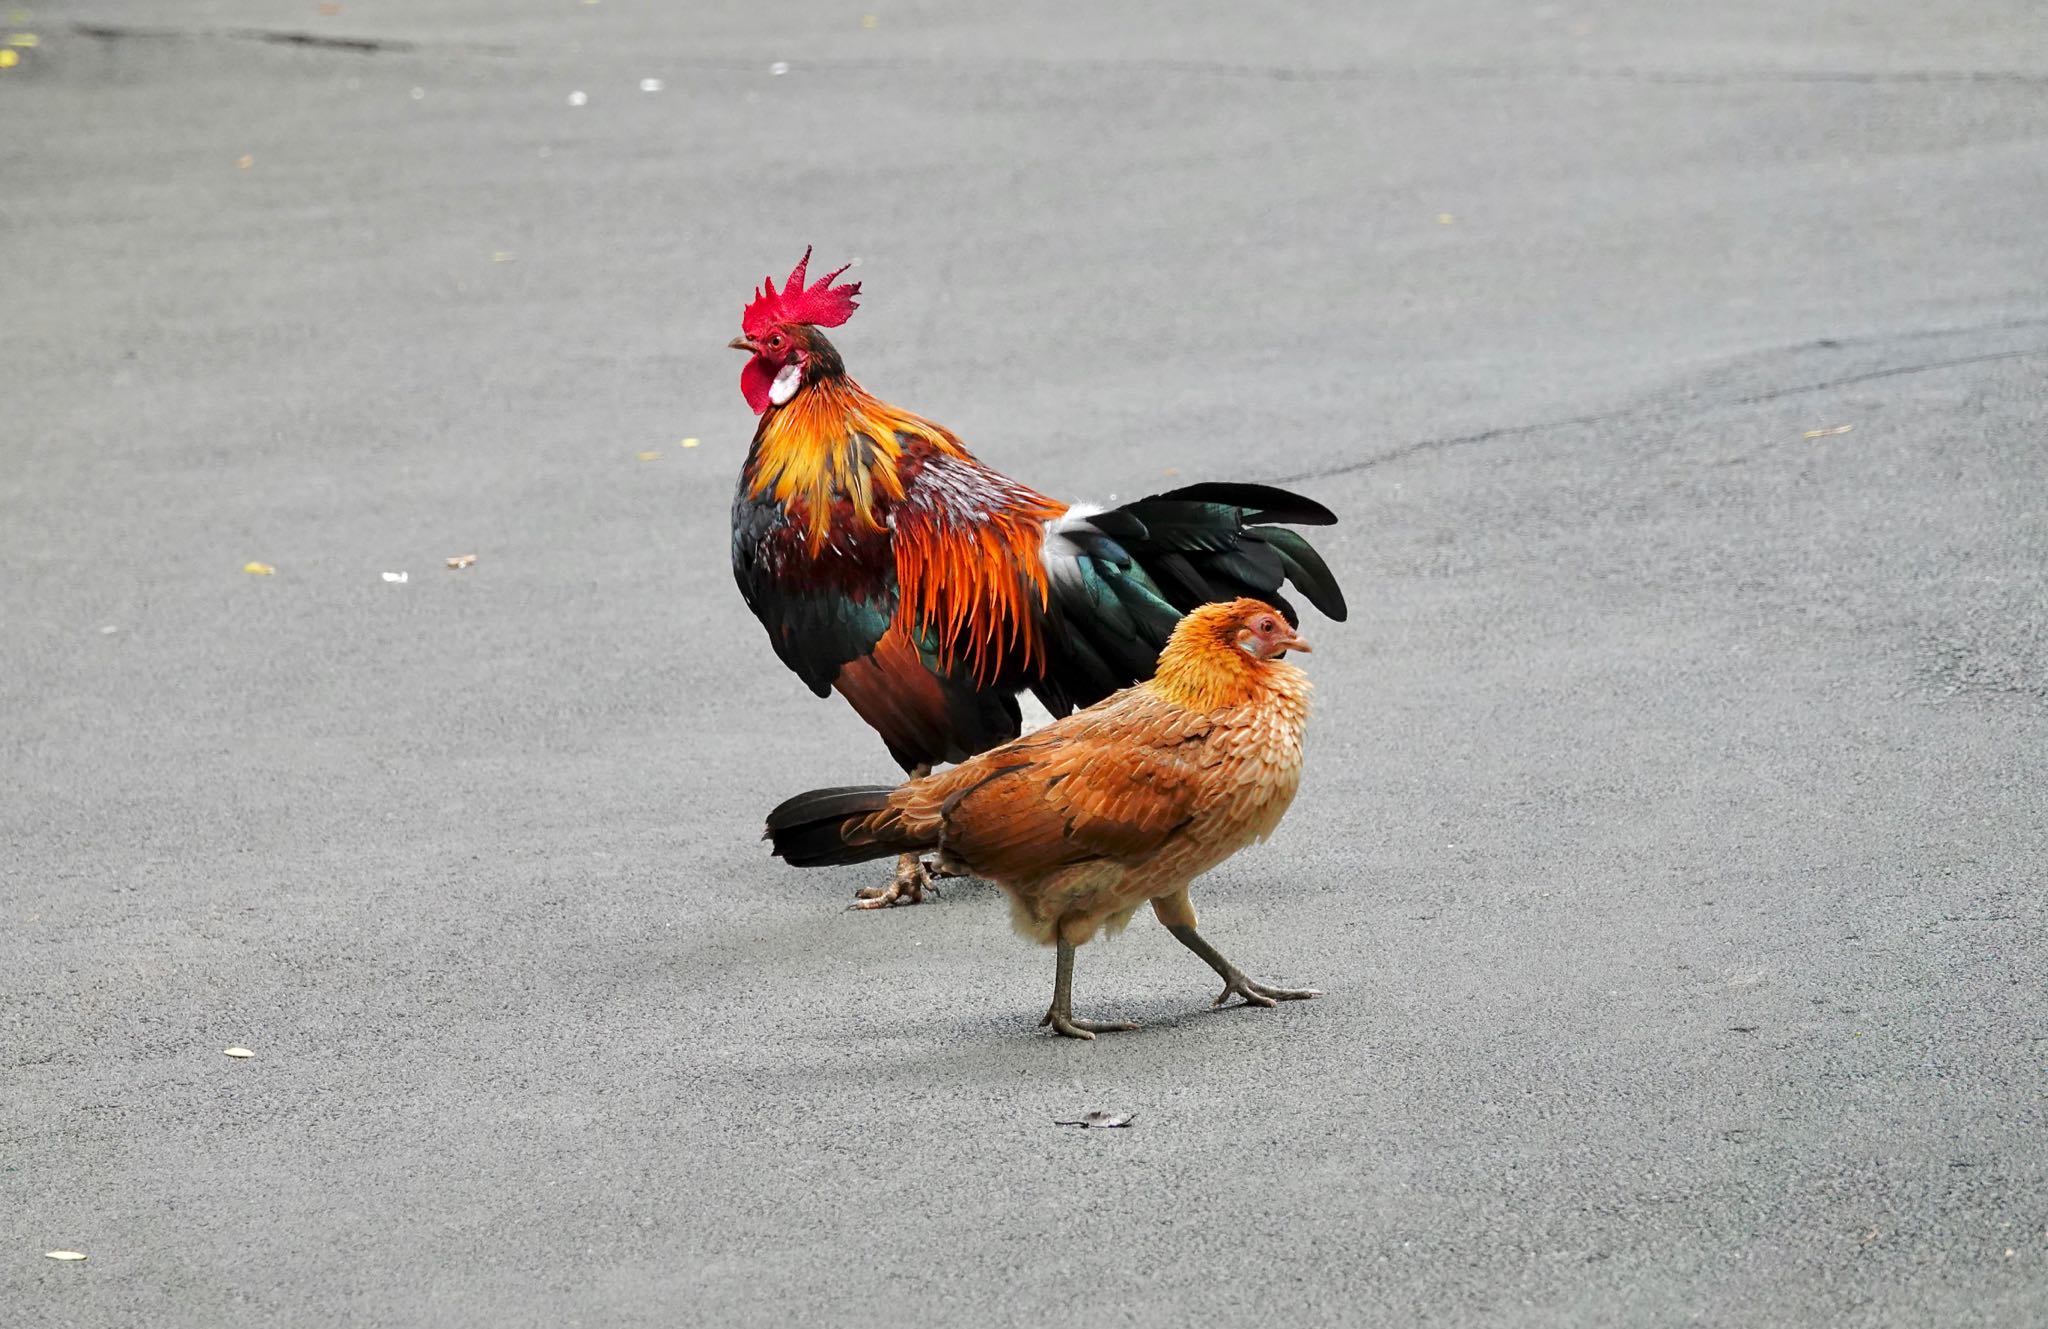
(776, 340)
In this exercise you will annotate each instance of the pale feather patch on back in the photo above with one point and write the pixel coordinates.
(1062, 556)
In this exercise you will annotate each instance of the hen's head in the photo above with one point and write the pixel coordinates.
(779, 330)
(1218, 653)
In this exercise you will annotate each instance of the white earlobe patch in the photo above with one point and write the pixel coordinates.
(787, 380)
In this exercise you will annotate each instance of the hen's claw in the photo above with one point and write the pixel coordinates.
(1255, 993)
(1063, 1023)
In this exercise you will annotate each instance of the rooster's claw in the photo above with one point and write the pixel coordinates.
(912, 881)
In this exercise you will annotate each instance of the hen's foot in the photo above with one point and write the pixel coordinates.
(1063, 1022)
(912, 881)
(1061, 1014)
(1256, 993)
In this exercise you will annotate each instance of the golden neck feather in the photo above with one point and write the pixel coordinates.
(835, 443)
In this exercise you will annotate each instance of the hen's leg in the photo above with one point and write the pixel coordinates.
(912, 878)
(1061, 1016)
(1235, 983)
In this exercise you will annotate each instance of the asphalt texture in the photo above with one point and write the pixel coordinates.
(1672, 845)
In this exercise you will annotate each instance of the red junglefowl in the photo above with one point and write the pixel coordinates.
(929, 590)
(1088, 818)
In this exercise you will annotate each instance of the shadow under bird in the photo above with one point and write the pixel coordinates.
(929, 590)
(1120, 804)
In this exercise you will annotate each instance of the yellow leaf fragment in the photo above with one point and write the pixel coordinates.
(692, 442)
(461, 561)
(502, 256)
(23, 39)
(63, 1255)
(245, 161)
(236, 1053)
(870, 20)
(1445, 218)
(1827, 433)
(9, 59)
(259, 569)
(647, 456)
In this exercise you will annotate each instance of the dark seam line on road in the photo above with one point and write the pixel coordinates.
(310, 40)
(1354, 73)
(1217, 69)
(353, 45)
(1776, 393)
(1572, 422)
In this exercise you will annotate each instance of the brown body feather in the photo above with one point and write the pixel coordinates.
(1122, 803)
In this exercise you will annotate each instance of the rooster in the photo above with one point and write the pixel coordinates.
(1090, 817)
(929, 590)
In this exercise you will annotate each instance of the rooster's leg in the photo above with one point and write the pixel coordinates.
(1235, 984)
(1061, 1016)
(912, 877)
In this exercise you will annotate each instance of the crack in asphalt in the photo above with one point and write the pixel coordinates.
(1651, 409)
(109, 32)
(1205, 68)
(1620, 74)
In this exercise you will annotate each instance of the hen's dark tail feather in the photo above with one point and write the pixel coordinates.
(1144, 565)
(810, 830)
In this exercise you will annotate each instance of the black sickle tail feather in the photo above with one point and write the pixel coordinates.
(811, 831)
(1137, 569)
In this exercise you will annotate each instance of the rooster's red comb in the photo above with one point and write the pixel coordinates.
(823, 304)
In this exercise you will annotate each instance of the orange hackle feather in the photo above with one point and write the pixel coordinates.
(835, 443)
(973, 581)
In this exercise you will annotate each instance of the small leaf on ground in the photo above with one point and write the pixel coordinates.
(1100, 1121)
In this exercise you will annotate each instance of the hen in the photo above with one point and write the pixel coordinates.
(1127, 801)
(928, 590)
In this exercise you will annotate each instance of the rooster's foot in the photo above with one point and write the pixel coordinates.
(912, 881)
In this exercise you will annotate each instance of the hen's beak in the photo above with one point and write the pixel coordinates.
(742, 344)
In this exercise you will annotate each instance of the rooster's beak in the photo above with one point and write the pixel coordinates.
(742, 344)
(1294, 643)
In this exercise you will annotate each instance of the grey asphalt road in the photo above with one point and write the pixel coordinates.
(1671, 850)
